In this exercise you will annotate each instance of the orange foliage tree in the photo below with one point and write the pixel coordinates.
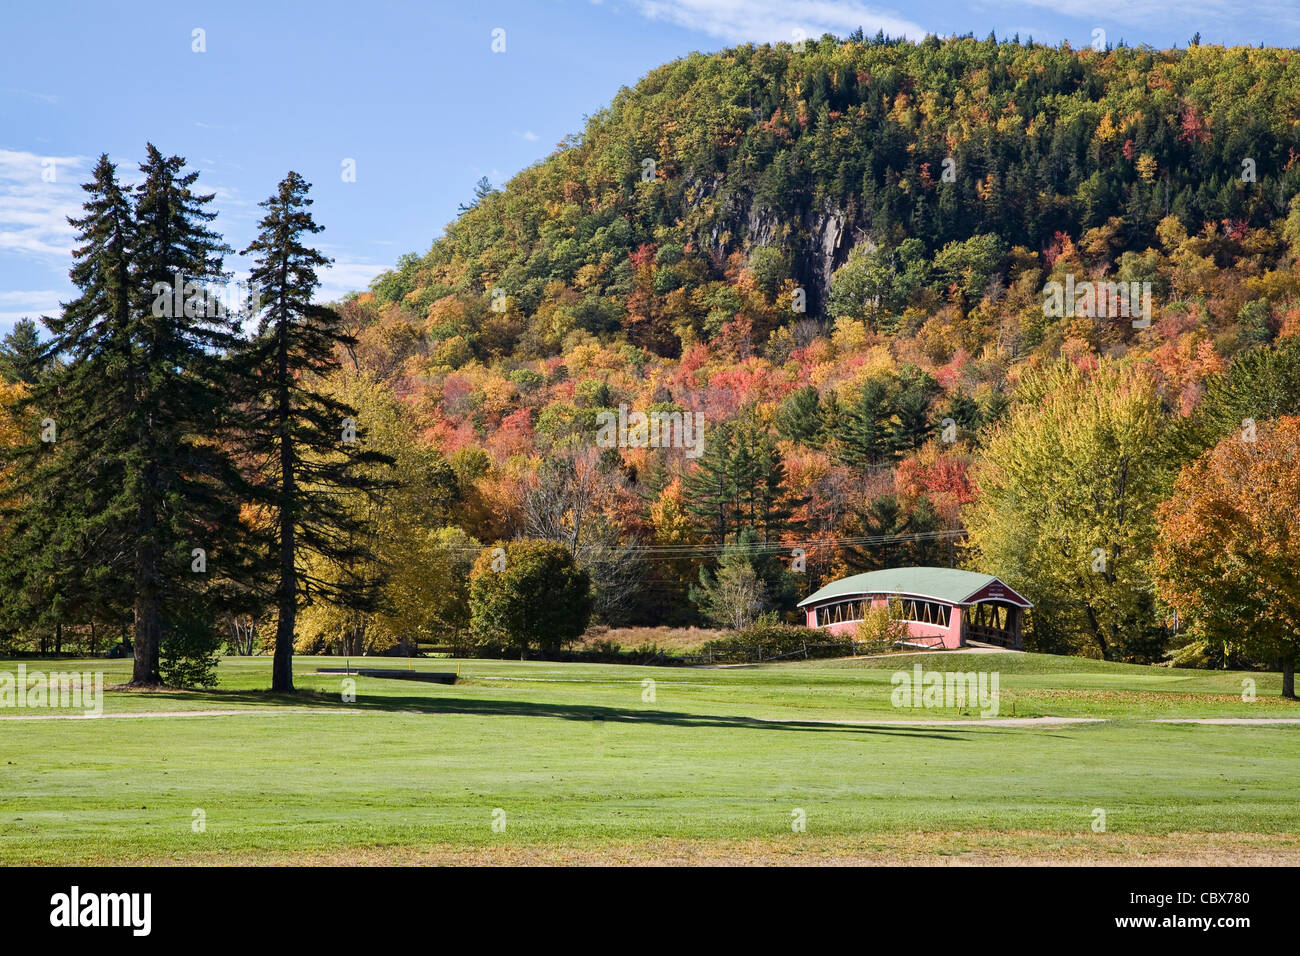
(1227, 552)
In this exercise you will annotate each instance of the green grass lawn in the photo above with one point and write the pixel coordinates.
(578, 761)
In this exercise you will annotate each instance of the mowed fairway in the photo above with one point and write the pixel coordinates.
(582, 768)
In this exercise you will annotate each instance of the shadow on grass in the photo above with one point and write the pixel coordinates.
(589, 713)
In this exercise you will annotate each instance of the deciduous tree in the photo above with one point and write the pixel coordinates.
(1228, 552)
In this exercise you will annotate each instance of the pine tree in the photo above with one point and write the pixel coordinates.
(68, 503)
(832, 420)
(710, 489)
(887, 517)
(800, 417)
(181, 482)
(912, 424)
(308, 441)
(964, 412)
(1261, 383)
(22, 356)
(866, 436)
(772, 506)
(736, 593)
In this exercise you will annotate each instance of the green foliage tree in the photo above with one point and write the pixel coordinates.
(185, 485)
(736, 594)
(913, 423)
(887, 516)
(1260, 384)
(1069, 485)
(70, 490)
(770, 270)
(873, 283)
(970, 264)
(740, 482)
(866, 436)
(529, 595)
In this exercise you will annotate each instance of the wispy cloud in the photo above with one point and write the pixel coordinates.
(28, 304)
(230, 202)
(34, 211)
(34, 298)
(344, 277)
(31, 95)
(760, 21)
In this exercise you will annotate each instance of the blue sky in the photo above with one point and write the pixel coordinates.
(412, 92)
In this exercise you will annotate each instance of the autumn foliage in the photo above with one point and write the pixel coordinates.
(1228, 553)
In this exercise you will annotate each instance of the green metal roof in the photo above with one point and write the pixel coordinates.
(944, 584)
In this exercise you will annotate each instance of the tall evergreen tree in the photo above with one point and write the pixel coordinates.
(1261, 383)
(67, 506)
(179, 479)
(888, 517)
(710, 488)
(308, 442)
(912, 425)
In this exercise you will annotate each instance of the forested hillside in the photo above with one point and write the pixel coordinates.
(831, 252)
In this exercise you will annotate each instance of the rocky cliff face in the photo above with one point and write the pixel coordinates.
(816, 241)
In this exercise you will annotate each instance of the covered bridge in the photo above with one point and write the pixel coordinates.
(943, 607)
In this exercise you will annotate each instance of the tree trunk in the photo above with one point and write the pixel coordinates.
(147, 634)
(1288, 678)
(145, 638)
(287, 592)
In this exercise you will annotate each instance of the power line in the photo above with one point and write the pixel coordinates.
(669, 552)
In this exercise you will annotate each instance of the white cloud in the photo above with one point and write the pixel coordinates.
(229, 202)
(34, 213)
(761, 21)
(530, 136)
(28, 304)
(344, 277)
(32, 302)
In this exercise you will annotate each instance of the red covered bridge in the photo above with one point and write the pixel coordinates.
(943, 607)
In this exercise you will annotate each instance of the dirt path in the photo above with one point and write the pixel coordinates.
(1245, 721)
(973, 722)
(182, 713)
(875, 722)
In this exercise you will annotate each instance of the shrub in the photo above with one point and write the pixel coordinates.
(767, 636)
(191, 650)
(879, 627)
